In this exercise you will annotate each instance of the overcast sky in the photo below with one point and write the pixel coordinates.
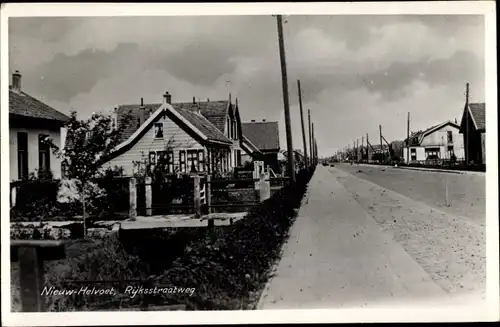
(356, 71)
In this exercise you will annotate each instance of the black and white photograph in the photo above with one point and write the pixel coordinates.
(249, 159)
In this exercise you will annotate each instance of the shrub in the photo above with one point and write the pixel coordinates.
(108, 262)
(35, 199)
(228, 266)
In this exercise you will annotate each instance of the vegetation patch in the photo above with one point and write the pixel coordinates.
(227, 266)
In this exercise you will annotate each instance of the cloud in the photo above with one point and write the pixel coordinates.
(356, 71)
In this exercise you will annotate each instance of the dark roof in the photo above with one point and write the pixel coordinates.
(478, 113)
(24, 105)
(188, 112)
(214, 111)
(203, 125)
(264, 135)
(133, 112)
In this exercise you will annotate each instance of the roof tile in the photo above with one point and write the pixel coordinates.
(264, 135)
(478, 112)
(22, 104)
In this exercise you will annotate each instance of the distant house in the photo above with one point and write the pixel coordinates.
(473, 128)
(373, 152)
(440, 141)
(30, 123)
(190, 137)
(265, 137)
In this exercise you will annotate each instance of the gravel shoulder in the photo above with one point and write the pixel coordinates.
(450, 248)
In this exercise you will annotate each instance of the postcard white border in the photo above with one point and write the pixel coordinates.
(401, 314)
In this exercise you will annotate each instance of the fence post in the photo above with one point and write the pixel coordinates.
(133, 198)
(197, 199)
(149, 196)
(264, 188)
(13, 195)
(31, 255)
(208, 193)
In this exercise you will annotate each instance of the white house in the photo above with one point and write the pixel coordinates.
(441, 141)
(196, 137)
(30, 122)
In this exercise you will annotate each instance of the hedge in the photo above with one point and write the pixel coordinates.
(228, 266)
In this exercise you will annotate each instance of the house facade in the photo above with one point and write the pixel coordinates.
(185, 137)
(264, 136)
(439, 142)
(473, 129)
(31, 122)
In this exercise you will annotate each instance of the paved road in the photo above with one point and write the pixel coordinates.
(467, 193)
(357, 244)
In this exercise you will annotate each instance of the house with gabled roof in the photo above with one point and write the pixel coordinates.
(187, 137)
(31, 122)
(473, 128)
(263, 136)
(438, 142)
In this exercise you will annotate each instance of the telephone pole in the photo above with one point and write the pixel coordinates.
(382, 154)
(408, 141)
(467, 125)
(367, 150)
(357, 149)
(302, 122)
(313, 140)
(310, 134)
(362, 148)
(284, 79)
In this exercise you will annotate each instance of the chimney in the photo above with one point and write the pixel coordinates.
(263, 120)
(142, 113)
(167, 98)
(208, 99)
(194, 100)
(253, 121)
(16, 81)
(455, 120)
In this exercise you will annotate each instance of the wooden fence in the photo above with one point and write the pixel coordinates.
(200, 195)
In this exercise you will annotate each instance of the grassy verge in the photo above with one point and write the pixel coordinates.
(227, 266)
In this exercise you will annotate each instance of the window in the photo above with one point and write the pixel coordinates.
(22, 155)
(152, 160)
(192, 161)
(238, 158)
(201, 160)
(450, 136)
(170, 161)
(432, 153)
(413, 154)
(229, 131)
(159, 130)
(43, 153)
(182, 161)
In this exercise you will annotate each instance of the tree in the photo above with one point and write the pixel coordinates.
(88, 143)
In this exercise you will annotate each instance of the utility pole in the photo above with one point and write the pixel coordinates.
(312, 138)
(362, 142)
(357, 149)
(367, 150)
(381, 145)
(302, 122)
(408, 141)
(467, 125)
(291, 165)
(310, 133)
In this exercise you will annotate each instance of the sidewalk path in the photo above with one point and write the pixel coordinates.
(339, 256)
